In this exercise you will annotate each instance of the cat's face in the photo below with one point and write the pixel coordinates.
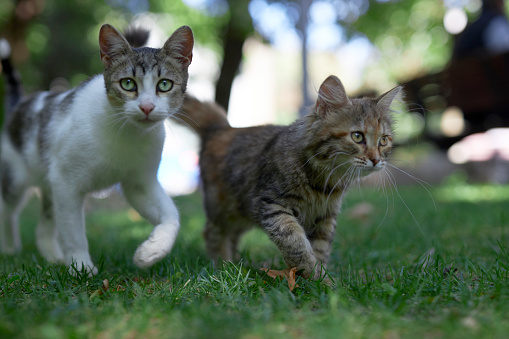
(353, 134)
(145, 85)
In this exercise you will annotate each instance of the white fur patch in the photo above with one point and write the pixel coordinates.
(5, 49)
(157, 246)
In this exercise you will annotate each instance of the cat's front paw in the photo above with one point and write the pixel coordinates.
(156, 247)
(312, 269)
(8, 244)
(9, 249)
(50, 249)
(81, 264)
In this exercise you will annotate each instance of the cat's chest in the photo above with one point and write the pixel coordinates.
(317, 207)
(131, 152)
(102, 157)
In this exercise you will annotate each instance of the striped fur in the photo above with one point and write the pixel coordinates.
(290, 180)
(93, 136)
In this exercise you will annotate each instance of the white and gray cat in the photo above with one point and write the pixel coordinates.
(108, 130)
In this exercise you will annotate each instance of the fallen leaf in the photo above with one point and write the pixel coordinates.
(106, 285)
(287, 273)
(99, 292)
(96, 293)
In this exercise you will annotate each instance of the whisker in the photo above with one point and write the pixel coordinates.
(176, 117)
(401, 161)
(180, 121)
(175, 132)
(348, 172)
(335, 154)
(331, 172)
(419, 181)
(358, 171)
(386, 194)
(393, 182)
(312, 158)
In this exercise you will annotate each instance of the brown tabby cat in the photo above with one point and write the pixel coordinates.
(290, 180)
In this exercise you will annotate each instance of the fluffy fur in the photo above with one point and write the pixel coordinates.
(108, 130)
(290, 180)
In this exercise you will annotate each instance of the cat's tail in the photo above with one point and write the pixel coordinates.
(201, 116)
(136, 36)
(14, 90)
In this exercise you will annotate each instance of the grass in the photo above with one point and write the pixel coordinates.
(444, 276)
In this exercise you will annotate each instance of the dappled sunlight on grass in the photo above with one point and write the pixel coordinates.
(463, 192)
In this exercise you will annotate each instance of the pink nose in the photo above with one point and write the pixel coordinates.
(375, 161)
(147, 108)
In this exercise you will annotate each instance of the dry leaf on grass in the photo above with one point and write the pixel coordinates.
(360, 211)
(288, 274)
(99, 292)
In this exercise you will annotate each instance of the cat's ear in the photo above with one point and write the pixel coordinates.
(180, 45)
(331, 95)
(111, 43)
(385, 100)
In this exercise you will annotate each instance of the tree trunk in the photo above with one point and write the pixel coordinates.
(302, 26)
(239, 27)
(231, 61)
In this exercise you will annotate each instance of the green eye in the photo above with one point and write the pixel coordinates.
(164, 85)
(383, 140)
(358, 137)
(128, 84)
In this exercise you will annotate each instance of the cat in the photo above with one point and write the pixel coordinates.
(108, 130)
(290, 180)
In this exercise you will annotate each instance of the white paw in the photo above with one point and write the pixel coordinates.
(9, 249)
(156, 247)
(81, 263)
(50, 250)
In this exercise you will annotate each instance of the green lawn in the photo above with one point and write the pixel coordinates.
(415, 272)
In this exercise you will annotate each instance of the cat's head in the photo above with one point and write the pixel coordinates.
(354, 132)
(146, 85)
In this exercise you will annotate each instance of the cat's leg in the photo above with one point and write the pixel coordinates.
(10, 238)
(12, 200)
(46, 231)
(150, 200)
(234, 244)
(219, 245)
(289, 236)
(321, 239)
(70, 226)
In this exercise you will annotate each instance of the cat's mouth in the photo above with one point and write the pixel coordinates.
(370, 169)
(147, 121)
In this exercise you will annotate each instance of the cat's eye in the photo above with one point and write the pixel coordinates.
(358, 137)
(384, 140)
(164, 85)
(128, 84)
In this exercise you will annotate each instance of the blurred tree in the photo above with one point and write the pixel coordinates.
(409, 34)
(238, 28)
(58, 38)
(302, 26)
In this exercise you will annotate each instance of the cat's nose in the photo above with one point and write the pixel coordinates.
(147, 108)
(375, 161)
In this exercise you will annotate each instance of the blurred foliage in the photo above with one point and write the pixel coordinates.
(61, 40)
(409, 34)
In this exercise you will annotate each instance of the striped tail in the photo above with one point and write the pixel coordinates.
(201, 116)
(14, 90)
(136, 36)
